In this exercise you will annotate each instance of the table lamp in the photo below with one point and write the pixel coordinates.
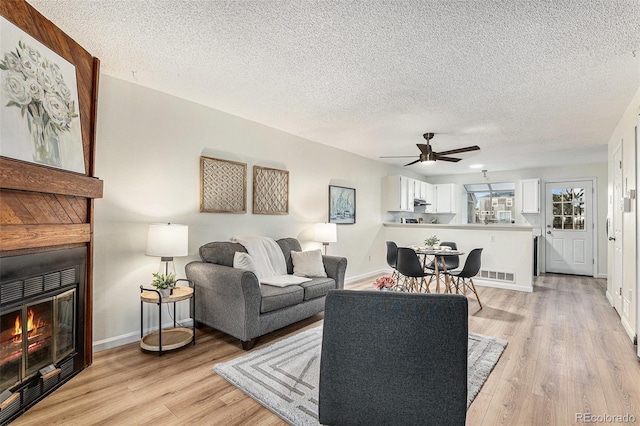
(326, 233)
(167, 240)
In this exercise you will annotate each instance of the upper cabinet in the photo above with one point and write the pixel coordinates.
(398, 193)
(530, 193)
(445, 198)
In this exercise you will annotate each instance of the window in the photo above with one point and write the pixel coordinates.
(568, 208)
(490, 202)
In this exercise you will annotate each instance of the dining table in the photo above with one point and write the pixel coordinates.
(440, 267)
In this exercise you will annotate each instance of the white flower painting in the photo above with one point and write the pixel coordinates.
(39, 118)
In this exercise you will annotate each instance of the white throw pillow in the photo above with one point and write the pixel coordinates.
(308, 263)
(244, 261)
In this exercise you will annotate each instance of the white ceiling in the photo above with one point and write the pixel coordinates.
(533, 83)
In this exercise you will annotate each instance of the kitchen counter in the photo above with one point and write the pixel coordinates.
(474, 226)
(507, 256)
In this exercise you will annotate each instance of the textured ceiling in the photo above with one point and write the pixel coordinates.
(533, 83)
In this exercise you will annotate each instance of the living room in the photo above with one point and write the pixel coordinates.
(148, 147)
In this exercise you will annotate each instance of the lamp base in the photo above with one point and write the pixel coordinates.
(167, 266)
(325, 248)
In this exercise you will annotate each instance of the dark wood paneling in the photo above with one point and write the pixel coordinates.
(35, 208)
(28, 236)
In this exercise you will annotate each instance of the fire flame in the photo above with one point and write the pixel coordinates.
(32, 326)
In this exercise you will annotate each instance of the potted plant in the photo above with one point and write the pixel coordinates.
(164, 283)
(431, 241)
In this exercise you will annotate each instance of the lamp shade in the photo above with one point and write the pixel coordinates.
(167, 240)
(326, 233)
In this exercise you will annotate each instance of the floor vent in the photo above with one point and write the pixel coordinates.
(498, 276)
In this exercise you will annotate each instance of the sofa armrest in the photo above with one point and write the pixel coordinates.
(335, 267)
(227, 299)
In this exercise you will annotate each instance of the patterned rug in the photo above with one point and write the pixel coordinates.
(284, 376)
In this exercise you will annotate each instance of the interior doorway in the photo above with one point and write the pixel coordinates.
(569, 227)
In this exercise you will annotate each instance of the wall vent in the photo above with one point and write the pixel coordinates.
(498, 276)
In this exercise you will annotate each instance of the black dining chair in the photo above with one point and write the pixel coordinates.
(410, 267)
(392, 259)
(450, 261)
(469, 270)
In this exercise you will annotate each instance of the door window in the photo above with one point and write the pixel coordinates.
(568, 208)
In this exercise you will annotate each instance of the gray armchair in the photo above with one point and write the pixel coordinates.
(393, 358)
(233, 301)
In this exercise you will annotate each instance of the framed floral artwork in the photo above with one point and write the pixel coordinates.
(38, 103)
(342, 205)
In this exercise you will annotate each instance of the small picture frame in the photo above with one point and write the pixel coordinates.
(342, 205)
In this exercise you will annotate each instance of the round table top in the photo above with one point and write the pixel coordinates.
(437, 252)
(179, 293)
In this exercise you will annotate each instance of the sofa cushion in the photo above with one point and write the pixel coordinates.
(287, 245)
(317, 287)
(274, 298)
(308, 263)
(220, 252)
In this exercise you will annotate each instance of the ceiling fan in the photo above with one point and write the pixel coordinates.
(429, 155)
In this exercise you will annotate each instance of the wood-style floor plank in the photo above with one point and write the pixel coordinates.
(567, 354)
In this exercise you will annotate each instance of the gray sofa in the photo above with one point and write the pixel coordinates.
(233, 301)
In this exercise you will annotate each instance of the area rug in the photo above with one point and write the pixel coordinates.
(284, 376)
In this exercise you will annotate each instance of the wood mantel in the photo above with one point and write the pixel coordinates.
(24, 176)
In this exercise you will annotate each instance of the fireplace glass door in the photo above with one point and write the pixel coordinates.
(65, 324)
(36, 335)
(39, 334)
(10, 348)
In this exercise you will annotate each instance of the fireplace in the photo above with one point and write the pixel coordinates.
(41, 326)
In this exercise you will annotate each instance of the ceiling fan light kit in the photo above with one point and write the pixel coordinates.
(428, 155)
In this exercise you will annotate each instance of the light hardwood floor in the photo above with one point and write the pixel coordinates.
(567, 354)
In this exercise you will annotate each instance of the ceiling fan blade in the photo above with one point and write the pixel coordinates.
(450, 159)
(413, 162)
(399, 156)
(424, 148)
(459, 150)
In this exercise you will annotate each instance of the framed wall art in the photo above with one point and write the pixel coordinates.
(223, 186)
(270, 191)
(38, 103)
(342, 205)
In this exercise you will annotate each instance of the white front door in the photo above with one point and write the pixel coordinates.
(569, 227)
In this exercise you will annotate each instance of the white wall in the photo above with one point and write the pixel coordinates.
(148, 150)
(597, 171)
(625, 135)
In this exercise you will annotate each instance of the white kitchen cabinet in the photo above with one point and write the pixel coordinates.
(445, 198)
(428, 194)
(530, 194)
(398, 193)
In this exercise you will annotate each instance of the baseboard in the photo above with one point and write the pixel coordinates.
(124, 339)
(355, 278)
(494, 284)
(603, 276)
(609, 298)
(627, 327)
